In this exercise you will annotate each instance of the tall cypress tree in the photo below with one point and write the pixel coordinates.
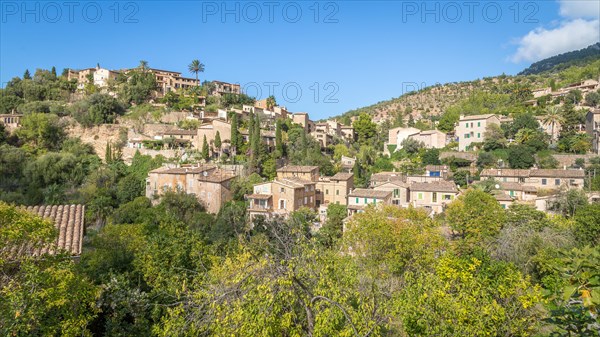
(26, 75)
(205, 153)
(234, 133)
(252, 161)
(53, 71)
(108, 154)
(278, 140)
(218, 142)
(257, 135)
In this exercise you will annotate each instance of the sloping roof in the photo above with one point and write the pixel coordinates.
(505, 173)
(474, 117)
(435, 186)
(517, 187)
(183, 170)
(297, 168)
(502, 197)
(393, 184)
(557, 173)
(386, 176)
(293, 182)
(368, 193)
(69, 220)
(342, 176)
(431, 132)
(216, 176)
(181, 132)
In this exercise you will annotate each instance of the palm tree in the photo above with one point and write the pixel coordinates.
(553, 117)
(196, 67)
(143, 65)
(271, 103)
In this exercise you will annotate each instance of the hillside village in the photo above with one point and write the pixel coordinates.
(148, 164)
(206, 145)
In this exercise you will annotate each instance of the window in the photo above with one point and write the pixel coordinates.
(366, 202)
(305, 200)
(511, 193)
(337, 192)
(503, 206)
(478, 124)
(471, 124)
(326, 192)
(396, 192)
(447, 197)
(311, 199)
(478, 135)
(434, 197)
(544, 181)
(467, 135)
(374, 200)
(556, 182)
(420, 196)
(357, 201)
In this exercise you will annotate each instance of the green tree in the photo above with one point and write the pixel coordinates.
(26, 75)
(278, 140)
(431, 157)
(365, 129)
(271, 102)
(331, 231)
(587, 225)
(520, 157)
(448, 121)
(474, 217)
(494, 138)
(592, 99)
(569, 201)
(40, 296)
(218, 142)
(553, 118)
(234, 134)
(468, 296)
(196, 67)
(41, 131)
(205, 152)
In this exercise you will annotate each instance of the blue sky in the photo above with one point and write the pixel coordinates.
(346, 55)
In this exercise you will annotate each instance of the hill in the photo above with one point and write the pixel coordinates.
(487, 95)
(572, 58)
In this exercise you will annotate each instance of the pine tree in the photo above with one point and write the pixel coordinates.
(205, 153)
(411, 121)
(53, 71)
(26, 75)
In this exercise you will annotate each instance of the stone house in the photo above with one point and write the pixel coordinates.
(360, 198)
(433, 195)
(211, 185)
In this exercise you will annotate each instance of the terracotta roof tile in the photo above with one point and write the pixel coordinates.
(69, 220)
(435, 186)
(368, 193)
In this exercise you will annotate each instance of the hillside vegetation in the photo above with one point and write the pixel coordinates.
(492, 93)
